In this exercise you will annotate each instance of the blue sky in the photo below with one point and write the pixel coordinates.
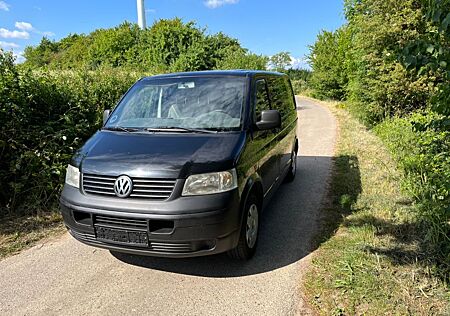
(263, 26)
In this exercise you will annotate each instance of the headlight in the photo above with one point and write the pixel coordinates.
(73, 176)
(209, 183)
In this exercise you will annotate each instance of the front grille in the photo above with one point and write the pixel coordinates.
(120, 222)
(144, 188)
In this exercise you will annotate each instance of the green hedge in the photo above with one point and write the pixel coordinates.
(421, 145)
(44, 117)
(168, 45)
(390, 60)
(300, 86)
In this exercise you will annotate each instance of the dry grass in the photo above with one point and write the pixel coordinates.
(21, 233)
(370, 261)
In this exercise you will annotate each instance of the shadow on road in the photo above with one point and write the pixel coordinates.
(346, 188)
(288, 230)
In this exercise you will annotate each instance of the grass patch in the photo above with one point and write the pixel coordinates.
(370, 260)
(21, 233)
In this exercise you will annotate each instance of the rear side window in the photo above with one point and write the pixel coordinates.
(282, 98)
(262, 99)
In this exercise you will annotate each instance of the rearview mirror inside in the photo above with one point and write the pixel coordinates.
(106, 116)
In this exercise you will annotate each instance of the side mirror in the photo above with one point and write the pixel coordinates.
(269, 119)
(106, 114)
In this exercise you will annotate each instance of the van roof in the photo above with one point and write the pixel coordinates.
(235, 72)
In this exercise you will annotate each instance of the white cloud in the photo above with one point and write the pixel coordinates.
(8, 45)
(4, 33)
(299, 63)
(150, 10)
(4, 6)
(24, 26)
(212, 4)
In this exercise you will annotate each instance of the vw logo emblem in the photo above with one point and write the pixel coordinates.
(123, 186)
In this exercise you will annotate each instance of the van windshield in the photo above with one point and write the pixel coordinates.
(190, 102)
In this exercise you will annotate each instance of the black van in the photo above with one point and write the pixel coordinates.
(184, 165)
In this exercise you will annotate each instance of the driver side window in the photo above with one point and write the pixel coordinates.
(142, 104)
(262, 99)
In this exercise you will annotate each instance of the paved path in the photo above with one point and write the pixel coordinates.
(64, 276)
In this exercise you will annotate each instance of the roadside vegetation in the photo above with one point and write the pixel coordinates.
(18, 233)
(372, 259)
(300, 79)
(389, 65)
(44, 117)
(166, 46)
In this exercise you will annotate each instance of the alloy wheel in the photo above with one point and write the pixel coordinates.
(252, 226)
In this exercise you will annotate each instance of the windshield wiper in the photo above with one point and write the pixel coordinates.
(122, 129)
(179, 130)
(161, 129)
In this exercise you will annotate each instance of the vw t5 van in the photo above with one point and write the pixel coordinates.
(184, 165)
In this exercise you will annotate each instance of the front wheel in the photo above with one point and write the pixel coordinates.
(248, 237)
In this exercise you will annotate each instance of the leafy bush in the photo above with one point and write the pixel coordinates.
(300, 86)
(241, 59)
(391, 58)
(422, 149)
(298, 74)
(328, 61)
(391, 64)
(300, 79)
(378, 80)
(44, 117)
(429, 53)
(169, 45)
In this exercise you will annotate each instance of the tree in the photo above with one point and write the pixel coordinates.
(328, 59)
(379, 80)
(168, 45)
(43, 54)
(242, 59)
(110, 46)
(280, 61)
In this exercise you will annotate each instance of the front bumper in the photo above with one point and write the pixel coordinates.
(181, 227)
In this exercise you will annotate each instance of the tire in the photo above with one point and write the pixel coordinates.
(248, 236)
(290, 176)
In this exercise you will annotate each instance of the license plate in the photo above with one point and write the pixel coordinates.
(119, 236)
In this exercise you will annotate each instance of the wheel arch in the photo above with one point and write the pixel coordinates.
(253, 185)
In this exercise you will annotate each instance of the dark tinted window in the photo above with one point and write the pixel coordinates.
(282, 98)
(262, 99)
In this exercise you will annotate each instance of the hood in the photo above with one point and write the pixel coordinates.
(158, 155)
